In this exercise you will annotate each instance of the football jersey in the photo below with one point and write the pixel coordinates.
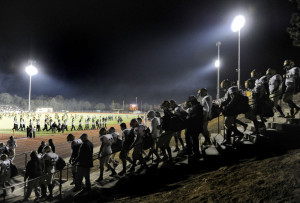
(106, 141)
(274, 83)
(291, 75)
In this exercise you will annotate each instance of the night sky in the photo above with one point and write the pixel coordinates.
(100, 50)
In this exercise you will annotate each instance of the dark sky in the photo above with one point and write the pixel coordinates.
(102, 50)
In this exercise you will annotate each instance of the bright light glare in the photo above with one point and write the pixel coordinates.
(217, 63)
(238, 23)
(31, 70)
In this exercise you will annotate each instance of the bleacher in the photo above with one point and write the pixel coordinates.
(281, 134)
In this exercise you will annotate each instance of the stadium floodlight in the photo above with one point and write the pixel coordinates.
(236, 26)
(238, 23)
(217, 63)
(30, 70)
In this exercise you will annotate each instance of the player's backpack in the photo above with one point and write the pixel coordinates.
(117, 144)
(147, 140)
(13, 170)
(215, 111)
(239, 104)
(172, 123)
(60, 164)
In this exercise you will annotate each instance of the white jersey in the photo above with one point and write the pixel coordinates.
(155, 122)
(116, 136)
(106, 141)
(139, 132)
(108, 138)
(233, 90)
(51, 158)
(259, 91)
(274, 83)
(262, 80)
(206, 102)
(5, 166)
(125, 133)
(179, 108)
(76, 143)
(291, 76)
(11, 144)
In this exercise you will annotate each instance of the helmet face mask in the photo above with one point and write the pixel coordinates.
(255, 74)
(202, 92)
(192, 100)
(165, 105)
(288, 64)
(225, 84)
(270, 72)
(249, 84)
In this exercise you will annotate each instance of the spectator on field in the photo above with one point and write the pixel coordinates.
(50, 143)
(75, 145)
(50, 159)
(41, 147)
(105, 152)
(85, 162)
(34, 169)
(11, 144)
(5, 173)
(28, 131)
(33, 131)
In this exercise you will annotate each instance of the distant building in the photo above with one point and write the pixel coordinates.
(44, 110)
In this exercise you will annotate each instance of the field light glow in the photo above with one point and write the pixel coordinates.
(217, 63)
(31, 70)
(238, 23)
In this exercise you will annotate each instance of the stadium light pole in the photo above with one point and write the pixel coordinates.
(217, 65)
(31, 71)
(236, 26)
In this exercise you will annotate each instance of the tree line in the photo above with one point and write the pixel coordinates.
(59, 103)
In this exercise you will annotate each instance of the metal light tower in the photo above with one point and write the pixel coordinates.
(30, 70)
(236, 26)
(217, 65)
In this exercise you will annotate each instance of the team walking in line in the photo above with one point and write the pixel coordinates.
(189, 119)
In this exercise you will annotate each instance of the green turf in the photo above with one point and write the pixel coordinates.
(6, 123)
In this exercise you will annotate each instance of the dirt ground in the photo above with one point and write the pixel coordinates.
(273, 179)
(60, 141)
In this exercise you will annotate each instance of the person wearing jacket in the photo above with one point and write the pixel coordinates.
(85, 162)
(75, 145)
(128, 139)
(34, 170)
(194, 128)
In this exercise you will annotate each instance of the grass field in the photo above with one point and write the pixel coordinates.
(7, 122)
